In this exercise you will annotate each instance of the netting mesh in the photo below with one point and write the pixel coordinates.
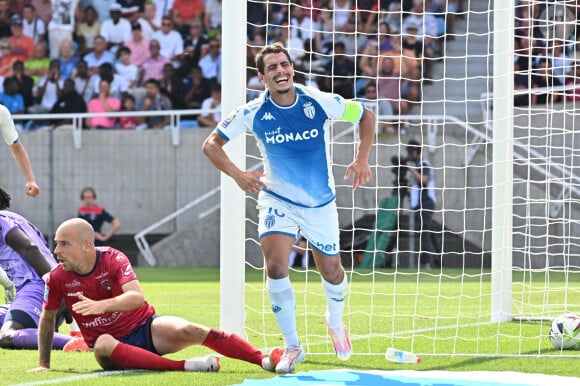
(426, 68)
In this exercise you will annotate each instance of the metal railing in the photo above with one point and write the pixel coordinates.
(432, 122)
(77, 120)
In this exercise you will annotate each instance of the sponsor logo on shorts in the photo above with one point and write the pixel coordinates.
(326, 248)
(276, 309)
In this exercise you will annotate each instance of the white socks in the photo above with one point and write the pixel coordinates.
(283, 304)
(335, 295)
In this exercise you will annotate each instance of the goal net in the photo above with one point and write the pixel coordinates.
(489, 90)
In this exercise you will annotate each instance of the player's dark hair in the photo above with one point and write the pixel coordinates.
(5, 199)
(88, 189)
(274, 48)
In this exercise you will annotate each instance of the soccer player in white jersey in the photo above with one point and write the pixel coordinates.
(296, 189)
(19, 154)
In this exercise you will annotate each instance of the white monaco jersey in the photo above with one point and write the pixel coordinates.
(294, 141)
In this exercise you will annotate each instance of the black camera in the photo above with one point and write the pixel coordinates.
(400, 171)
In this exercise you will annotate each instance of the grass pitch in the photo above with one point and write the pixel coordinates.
(194, 295)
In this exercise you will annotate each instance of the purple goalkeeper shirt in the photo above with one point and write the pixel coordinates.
(18, 270)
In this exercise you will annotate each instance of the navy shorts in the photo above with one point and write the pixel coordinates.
(141, 336)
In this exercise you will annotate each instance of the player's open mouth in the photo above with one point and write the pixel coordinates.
(282, 80)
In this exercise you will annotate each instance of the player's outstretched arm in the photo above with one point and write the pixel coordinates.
(248, 181)
(17, 240)
(21, 158)
(360, 168)
(46, 328)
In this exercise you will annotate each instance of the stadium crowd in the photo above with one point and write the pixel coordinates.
(547, 52)
(145, 55)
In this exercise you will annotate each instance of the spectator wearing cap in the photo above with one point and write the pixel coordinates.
(138, 45)
(115, 30)
(62, 24)
(32, 25)
(171, 40)
(87, 30)
(22, 45)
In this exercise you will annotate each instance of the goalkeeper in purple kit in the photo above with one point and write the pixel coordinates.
(25, 257)
(291, 123)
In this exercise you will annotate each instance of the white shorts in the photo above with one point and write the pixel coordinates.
(318, 225)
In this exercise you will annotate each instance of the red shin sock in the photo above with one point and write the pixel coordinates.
(131, 357)
(233, 346)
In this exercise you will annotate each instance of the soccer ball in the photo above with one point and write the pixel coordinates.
(565, 332)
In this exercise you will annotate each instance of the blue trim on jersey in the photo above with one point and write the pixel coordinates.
(296, 203)
(16, 141)
(221, 133)
(277, 233)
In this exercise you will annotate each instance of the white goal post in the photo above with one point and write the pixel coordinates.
(507, 210)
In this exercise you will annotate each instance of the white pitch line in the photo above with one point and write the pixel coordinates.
(77, 377)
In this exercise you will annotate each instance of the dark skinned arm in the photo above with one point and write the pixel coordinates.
(17, 240)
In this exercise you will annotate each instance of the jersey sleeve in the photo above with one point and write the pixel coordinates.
(122, 270)
(52, 297)
(337, 107)
(107, 217)
(238, 121)
(7, 128)
(6, 225)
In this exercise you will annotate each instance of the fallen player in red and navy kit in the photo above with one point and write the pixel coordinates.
(105, 298)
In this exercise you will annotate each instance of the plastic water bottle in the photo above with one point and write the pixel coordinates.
(399, 356)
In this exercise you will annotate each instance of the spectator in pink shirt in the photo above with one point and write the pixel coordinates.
(138, 45)
(102, 103)
(152, 67)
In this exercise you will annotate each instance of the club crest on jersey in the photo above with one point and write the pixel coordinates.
(269, 221)
(309, 110)
(105, 283)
